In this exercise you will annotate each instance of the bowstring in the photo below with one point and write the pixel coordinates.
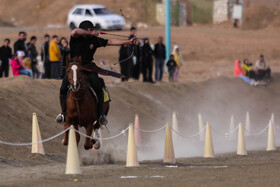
(133, 47)
(121, 61)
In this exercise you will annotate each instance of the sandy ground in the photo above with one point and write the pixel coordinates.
(256, 169)
(206, 86)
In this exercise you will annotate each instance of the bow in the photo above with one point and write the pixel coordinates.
(133, 47)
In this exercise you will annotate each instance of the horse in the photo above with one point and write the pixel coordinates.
(81, 105)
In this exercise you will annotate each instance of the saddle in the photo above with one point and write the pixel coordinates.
(106, 93)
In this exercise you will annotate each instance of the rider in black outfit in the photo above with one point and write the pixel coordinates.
(84, 42)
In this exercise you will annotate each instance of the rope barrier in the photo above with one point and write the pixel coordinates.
(232, 131)
(125, 130)
(151, 131)
(256, 134)
(277, 127)
(183, 136)
(31, 143)
(227, 133)
(109, 138)
(218, 132)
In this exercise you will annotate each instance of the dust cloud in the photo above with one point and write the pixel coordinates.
(213, 100)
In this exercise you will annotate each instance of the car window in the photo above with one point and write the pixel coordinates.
(88, 13)
(102, 11)
(78, 11)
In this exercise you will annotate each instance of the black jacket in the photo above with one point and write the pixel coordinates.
(19, 45)
(171, 64)
(34, 53)
(5, 54)
(45, 52)
(147, 55)
(160, 51)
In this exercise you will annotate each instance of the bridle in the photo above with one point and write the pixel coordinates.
(76, 85)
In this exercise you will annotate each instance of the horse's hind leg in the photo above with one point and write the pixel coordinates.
(89, 143)
(97, 144)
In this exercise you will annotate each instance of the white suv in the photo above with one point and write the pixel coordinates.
(99, 15)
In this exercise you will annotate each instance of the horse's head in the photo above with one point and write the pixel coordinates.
(74, 73)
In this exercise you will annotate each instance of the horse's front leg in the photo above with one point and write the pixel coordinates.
(89, 143)
(77, 134)
(66, 135)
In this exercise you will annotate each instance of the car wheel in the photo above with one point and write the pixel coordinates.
(97, 26)
(72, 26)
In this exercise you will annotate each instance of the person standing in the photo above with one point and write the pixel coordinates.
(124, 61)
(160, 55)
(20, 45)
(132, 32)
(45, 56)
(55, 57)
(179, 61)
(136, 60)
(5, 55)
(147, 61)
(131, 51)
(171, 64)
(34, 54)
(65, 51)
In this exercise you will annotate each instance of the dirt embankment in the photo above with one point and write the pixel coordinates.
(216, 99)
(259, 17)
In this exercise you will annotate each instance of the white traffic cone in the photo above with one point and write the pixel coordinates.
(73, 162)
(270, 139)
(169, 156)
(231, 127)
(208, 147)
(131, 157)
(248, 124)
(241, 147)
(137, 132)
(36, 137)
(175, 127)
(272, 119)
(200, 127)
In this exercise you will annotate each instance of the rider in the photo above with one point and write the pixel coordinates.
(84, 42)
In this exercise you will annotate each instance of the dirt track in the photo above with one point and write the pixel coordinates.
(256, 169)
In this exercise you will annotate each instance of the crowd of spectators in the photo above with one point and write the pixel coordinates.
(23, 59)
(144, 55)
(260, 74)
(134, 59)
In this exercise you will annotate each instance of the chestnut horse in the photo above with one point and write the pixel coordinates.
(81, 105)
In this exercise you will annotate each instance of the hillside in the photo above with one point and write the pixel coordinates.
(51, 12)
(43, 13)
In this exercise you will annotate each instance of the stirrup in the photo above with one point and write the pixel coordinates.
(103, 120)
(60, 119)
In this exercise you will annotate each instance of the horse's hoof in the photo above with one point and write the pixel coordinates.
(64, 142)
(87, 147)
(97, 145)
(93, 141)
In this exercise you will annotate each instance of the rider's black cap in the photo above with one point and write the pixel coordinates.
(86, 25)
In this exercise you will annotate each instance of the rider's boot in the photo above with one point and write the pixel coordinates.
(100, 108)
(62, 116)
